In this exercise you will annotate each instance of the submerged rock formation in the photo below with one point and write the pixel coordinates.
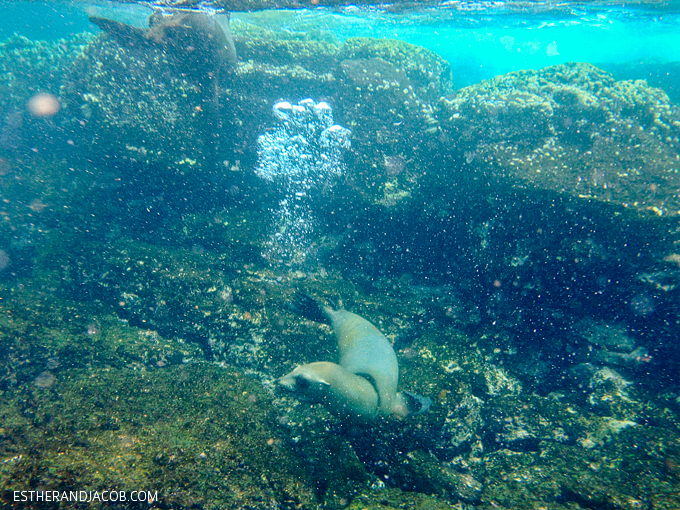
(570, 129)
(516, 239)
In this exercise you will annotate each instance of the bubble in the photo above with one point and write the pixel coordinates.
(5, 166)
(4, 260)
(282, 110)
(44, 105)
(394, 165)
(46, 379)
(642, 305)
(301, 156)
(93, 328)
(37, 206)
(508, 42)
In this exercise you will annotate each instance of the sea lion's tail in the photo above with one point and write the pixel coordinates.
(306, 306)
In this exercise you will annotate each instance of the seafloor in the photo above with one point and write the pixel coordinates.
(518, 240)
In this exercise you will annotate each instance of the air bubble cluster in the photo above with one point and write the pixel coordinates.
(301, 156)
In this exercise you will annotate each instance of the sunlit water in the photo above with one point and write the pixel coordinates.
(479, 39)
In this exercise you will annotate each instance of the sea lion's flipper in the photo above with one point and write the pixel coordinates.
(126, 35)
(414, 404)
(223, 22)
(306, 306)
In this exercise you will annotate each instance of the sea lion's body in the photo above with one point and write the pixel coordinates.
(342, 392)
(364, 352)
(199, 43)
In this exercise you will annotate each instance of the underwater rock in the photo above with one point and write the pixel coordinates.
(613, 337)
(196, 434)
(127, 103)
(28, 68)
(386, 94)
(610, 344)
(430, 477)
(570, 129)
(127, 100)
(135, 89)
(42, 349)
(509, 271)
(484, 441)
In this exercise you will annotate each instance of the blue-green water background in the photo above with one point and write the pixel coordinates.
(479, 40)
(117, 268)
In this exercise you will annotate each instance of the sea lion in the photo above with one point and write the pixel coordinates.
(366, 352)
(342, 392)
(199, 43)
(198, 46)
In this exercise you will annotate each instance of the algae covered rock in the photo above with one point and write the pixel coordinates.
(194, 435)
(570, 129)
(387, 89)
(29, 68)
(132, 103)
(44, 337)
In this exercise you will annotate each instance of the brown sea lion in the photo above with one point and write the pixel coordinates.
(343, 393)
(199, 43)
(364, 352)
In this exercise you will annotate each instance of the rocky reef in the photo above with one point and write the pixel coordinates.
(571, 128)
(517, 240)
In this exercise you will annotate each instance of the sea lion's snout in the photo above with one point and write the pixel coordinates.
(286, 384)
(306, 382)
(341, 391)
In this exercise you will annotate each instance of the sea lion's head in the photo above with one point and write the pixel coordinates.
(307, 383)
(343, 393)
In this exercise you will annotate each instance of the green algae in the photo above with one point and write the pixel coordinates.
(573, 129)
(198, 434)
(196, 290)
(389, 499)
(503, 449)
(423, 67)
(312, 55)
(28, 67)
(41, 334)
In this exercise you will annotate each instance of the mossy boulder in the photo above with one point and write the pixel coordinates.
(571, 129)
(195, 435)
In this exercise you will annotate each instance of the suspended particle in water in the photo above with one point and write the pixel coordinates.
(4, 260)
(44, 105)
(5, 167)
(45, 379)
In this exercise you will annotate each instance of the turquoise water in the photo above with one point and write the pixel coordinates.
(479, 41)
